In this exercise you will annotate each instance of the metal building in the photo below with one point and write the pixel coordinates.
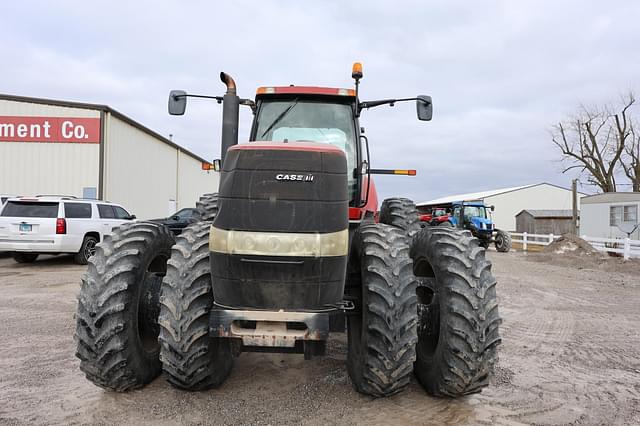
(510, 201)
(93, 151)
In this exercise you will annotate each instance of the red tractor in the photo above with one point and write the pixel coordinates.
(436, 216)
(291, 249)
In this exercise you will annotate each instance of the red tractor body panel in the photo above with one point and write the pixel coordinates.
(305, 90)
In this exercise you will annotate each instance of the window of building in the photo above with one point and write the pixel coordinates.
(621, 214)
(630, 214)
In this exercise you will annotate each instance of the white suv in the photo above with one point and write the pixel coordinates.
(30, 226)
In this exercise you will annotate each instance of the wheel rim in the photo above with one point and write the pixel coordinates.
(499, 241)
(149, 304)
(89, 248)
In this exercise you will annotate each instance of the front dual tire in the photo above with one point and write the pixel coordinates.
(116, 319)
(456, 308)
(127, 333)
(191, 359)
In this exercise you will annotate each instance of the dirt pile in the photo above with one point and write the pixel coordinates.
(573, 245)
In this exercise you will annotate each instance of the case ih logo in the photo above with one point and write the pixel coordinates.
(297, 178)
(49, 129)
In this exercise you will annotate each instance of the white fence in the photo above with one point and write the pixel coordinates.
(626, 247)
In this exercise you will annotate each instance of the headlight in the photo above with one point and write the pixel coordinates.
(279, 243)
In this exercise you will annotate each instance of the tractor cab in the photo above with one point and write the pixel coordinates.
(474, 215)
(311, 114)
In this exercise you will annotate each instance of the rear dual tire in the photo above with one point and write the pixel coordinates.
(401, 213)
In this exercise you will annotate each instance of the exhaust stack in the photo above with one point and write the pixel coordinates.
(230, 115)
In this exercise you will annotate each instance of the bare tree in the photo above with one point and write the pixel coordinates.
(594, 141)
(630, 161)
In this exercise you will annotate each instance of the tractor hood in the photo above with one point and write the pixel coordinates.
(481, 222)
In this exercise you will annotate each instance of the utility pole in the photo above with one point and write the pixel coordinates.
(574, 193)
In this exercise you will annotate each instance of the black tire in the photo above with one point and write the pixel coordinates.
(116, 321)
(401, 213)
(191, 359)
(446, 224)
(22, 257)
(87, 250)
(503, 241)
(382, 335)
(457, 312)
(206, 208)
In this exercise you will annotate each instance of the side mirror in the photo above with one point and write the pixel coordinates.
(175, 217)
(493, 208)
(177, 102)
(424, 108)
(132, 217)
(217, 165)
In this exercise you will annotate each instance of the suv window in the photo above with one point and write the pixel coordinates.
(106, 212)
(30, 209)
(121, 213)
(77, 210)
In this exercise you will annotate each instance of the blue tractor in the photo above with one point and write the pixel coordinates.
(475, 216)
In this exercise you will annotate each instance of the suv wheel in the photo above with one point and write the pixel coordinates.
(87, 250)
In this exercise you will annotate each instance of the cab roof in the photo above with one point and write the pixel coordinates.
(305, 90)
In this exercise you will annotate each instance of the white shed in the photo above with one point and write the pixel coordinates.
(509, 202)
(58, 147)
(603, 215)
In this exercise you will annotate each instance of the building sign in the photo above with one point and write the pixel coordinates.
(49, 129)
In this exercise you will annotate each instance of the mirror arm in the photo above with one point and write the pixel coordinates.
(250, 104)
(391, 102)
(188, 95)
(247, 102)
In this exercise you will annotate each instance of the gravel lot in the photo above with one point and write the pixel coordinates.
(570, 355)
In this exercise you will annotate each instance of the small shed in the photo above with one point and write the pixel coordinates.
(555, 222)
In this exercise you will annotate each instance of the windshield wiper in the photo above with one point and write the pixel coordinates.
(280, 117)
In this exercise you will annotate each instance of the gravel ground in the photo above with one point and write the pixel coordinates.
(570, 355)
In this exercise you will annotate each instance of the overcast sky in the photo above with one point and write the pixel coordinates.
(500, 72)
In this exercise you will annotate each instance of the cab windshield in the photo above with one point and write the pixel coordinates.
(304, 120)
(474, 211)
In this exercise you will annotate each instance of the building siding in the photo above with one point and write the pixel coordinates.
(47, 168)
(148, 177)
(539, 197)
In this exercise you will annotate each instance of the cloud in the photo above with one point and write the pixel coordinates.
(500, 72)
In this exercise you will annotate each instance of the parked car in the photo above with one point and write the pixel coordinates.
(177, 221)
(30, 226)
